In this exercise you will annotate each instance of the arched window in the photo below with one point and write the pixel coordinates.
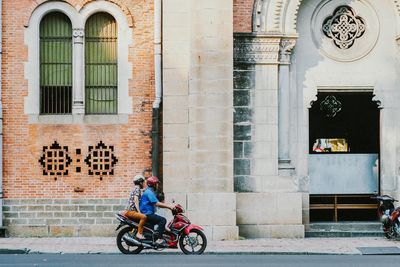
(55, 64)
(101, 62)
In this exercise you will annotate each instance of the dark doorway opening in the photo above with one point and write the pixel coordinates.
(357, 121)
(343, 123)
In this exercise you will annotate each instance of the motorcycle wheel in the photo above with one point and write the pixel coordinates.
(123, 246)
(194, 243)
(390, 233)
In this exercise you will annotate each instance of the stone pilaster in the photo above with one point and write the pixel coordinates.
(273, 198)
(197, 112)
(262, 52)
(286, 47)
(79, 68)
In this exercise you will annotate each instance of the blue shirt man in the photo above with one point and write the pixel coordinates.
(148, 202)
(147, 205)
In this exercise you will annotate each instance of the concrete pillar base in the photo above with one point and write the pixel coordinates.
(270, 214)
(271, 231)
(215, 212)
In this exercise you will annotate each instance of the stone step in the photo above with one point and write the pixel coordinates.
(343, 234)
(345, 226)
(344, 229)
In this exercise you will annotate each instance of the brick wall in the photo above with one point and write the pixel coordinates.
(24, 142)
(242, 15)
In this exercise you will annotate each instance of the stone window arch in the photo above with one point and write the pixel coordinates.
(78, 18)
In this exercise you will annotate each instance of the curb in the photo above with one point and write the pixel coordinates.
(14, 251)
(222, 253)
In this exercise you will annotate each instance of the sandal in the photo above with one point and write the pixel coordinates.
(140, 237)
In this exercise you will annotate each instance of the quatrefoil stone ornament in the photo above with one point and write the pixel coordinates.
(344, 27)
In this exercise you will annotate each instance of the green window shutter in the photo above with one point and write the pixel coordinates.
(101, 64)
(55, 64)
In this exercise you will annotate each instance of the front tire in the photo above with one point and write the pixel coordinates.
(194, 243)
(125, 247)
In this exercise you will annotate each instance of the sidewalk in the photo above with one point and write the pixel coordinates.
(268, 246)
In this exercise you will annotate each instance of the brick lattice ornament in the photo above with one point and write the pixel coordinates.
(55, 160)
(101, 160)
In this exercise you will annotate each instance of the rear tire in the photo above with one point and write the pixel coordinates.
(123, 246)
(390, 233)
(195, 239)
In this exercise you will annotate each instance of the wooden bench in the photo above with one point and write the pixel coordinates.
(335, 206)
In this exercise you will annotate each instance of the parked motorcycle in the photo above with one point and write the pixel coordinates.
(190, 237)
(389, 216)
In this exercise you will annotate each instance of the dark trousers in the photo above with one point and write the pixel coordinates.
(159, 221)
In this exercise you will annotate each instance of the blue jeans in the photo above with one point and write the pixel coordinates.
(159, 221)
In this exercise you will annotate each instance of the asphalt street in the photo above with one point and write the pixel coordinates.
(203, 260)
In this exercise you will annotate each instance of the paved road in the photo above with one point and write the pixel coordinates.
(204, 260)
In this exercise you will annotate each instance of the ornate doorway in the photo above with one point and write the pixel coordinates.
(343, 156)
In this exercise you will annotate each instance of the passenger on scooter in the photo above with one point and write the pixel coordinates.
(133, 209)
(148, 203)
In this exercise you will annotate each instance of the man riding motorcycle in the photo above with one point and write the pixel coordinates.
(147, 204)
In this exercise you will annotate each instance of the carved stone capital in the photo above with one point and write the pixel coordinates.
(256, 49)
(78, 35)
(286, 48)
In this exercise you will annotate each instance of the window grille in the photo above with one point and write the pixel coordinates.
(55, 64)
(101, 65)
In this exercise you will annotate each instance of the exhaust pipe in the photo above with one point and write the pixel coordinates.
(146, 245)
(131, 240)
(136, 242)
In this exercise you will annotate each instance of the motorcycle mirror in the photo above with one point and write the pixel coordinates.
(173, 200)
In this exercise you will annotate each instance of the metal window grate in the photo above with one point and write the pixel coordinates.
(101, 91)
(55, 64)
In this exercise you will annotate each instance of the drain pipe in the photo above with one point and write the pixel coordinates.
(1, 116)
(158, 87)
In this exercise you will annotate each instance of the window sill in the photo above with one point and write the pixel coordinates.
(78, 119)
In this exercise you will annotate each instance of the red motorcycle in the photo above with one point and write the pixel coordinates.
(389, 216)
(190, 237)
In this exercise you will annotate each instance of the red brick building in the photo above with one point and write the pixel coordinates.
(62, 148)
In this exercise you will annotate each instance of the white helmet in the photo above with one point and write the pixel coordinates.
(138, 179)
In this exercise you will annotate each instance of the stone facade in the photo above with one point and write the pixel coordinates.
(280, 57)
(238, 79)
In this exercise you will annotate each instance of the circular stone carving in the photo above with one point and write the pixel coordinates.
(344, 30)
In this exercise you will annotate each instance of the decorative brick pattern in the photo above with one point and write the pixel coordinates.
(101, 160)
(55, 160)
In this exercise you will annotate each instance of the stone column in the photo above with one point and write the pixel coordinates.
(286, 48)
(198, 112)
(276, 206)
(263, 52)
(78, 63)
